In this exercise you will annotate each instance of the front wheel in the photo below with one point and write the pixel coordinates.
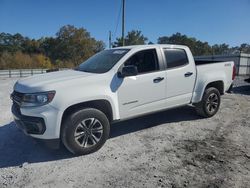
(210, 103)
(85, 131)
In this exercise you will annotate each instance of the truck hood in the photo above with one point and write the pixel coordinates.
(42, 82)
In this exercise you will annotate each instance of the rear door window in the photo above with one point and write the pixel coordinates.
(175, 58)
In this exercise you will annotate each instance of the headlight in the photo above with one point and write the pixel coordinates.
(37, 99)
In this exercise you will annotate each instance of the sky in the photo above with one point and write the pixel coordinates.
(214, 21)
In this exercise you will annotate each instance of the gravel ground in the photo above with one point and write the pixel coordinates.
(174, 148)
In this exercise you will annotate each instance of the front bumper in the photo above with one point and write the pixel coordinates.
(29, 124)
(41, 122)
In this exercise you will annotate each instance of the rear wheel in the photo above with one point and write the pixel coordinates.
(85, 131)
(210, 103)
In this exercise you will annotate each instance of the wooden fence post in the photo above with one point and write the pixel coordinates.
(20, 72)
(9, 73)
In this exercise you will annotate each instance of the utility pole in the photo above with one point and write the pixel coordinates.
(110, 43)
(123, 22)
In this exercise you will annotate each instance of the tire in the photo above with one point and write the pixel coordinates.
(209, 104)
(85, 131)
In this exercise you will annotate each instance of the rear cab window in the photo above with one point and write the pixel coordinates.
(175, 57)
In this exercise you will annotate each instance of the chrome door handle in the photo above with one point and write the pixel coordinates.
(187, 74)
(158, 79)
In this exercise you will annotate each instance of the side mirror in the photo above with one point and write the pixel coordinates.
(129, 70)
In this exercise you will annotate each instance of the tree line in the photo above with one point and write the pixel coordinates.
(68, 48)
(197, 47)
(71, 46)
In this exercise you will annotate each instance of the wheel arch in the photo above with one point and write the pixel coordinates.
(216, 84)
(100, 104)
(199, 92)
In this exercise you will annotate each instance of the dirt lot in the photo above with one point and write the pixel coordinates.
(173, 148)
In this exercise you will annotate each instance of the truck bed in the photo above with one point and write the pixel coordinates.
(212, 71)
(203, 62)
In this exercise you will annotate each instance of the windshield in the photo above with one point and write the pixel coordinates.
(102, 61)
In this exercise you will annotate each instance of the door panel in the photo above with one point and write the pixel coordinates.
(179, 87)
(142, 94)
(180, 77)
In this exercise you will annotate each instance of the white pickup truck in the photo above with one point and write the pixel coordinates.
(77, 106)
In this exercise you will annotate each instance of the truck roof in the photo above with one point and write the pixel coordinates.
(151, 45)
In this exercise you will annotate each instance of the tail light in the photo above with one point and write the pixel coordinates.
(234, 72)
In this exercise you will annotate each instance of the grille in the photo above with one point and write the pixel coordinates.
(17, 97)
(16, 109)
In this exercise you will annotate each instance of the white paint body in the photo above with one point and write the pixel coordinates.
(74, 87)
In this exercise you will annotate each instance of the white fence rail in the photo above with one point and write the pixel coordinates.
(21, 72)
